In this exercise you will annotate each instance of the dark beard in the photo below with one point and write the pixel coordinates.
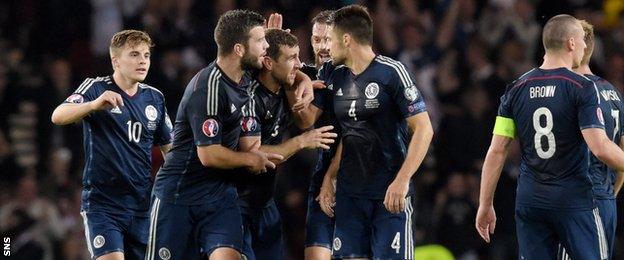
(249, 62)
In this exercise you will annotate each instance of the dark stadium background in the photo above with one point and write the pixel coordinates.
(462, 52)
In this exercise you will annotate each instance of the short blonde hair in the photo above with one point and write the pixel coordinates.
(557, 31)
(589, 41)
(130, 37)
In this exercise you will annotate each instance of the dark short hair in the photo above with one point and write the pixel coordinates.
(277, 38)
(557, 31)
(356, 21)
(233, 27)
(323, 17)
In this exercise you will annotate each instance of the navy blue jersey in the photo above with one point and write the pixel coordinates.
(549, 108)
(209, 113)
(270, 114)
(118, 143)
(602, 176)
(371, 109)
(322, 100)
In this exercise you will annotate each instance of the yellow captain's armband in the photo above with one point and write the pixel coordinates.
(504, 127)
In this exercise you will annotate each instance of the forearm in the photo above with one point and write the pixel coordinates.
(612, 155)
(217, 156)
(492, 168)
(304, 118)
(285, 149)
(164, 149)
(69, 113)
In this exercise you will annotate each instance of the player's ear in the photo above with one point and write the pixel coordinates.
(114, 61)
(239, 49)
(267, 63)
(346, 39)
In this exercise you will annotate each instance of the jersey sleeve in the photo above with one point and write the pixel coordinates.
(164, 129)
(589, 112)
(204, 112)
(251, 124)
(404, 92)
(504, 124)
(84, 93)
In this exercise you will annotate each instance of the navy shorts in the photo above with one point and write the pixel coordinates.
(608, 214)
(319, 227)
(110, 232)
(580, 232)
(193, 231)
(365, 229)
(262, 233)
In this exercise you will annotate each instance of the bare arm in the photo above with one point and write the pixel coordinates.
(217, 156)
(311, 139)
(422, 133)
(603, 148)
(492, 168)
(327, 194)
(68, 113)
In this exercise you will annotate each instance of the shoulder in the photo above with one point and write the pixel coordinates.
(93, 83)
(152, 90)
(392, 68)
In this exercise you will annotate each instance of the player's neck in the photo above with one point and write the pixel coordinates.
(556, 60)
(269, 81)
(360, 58)
(584, 70)
(231, 66)
(127, 85)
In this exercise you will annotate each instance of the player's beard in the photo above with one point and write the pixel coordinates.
(249, 62)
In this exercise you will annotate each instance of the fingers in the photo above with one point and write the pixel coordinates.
(400, 203)
(274, 156)
(275, 21)
(269, 164)
(318, 84)
(298, 106)
(325, 128)
(492, 227)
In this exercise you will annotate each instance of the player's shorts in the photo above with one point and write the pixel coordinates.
(608, 214)
(109, 232)
(319, 227)
(580, 231)
(262, 233)
(189, 232)
(365, 229)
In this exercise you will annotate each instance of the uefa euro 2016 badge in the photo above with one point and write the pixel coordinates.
(75, 98)
(600, 116)
(411, 93)
(248, 124)
(210, 127)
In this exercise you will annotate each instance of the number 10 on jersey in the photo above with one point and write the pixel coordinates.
(134, 131)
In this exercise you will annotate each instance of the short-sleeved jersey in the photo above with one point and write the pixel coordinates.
(602, 176)
(322, 101)
(209, 113)
(549, 109)
(371, 109)
(270, 114)
(118, 143)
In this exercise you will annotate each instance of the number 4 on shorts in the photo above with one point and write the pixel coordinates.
(396, 242)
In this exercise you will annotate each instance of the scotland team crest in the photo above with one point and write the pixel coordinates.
(151, 113)
(372, 90)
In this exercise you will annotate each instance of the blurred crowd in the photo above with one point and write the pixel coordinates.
(461, 52)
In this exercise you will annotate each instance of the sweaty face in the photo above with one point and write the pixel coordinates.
(337, 50)
(133, 62)
(319, 41)
(286, 66)
(255, 49)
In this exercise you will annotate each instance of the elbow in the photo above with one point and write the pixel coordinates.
(207, 161)
(57, 119)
